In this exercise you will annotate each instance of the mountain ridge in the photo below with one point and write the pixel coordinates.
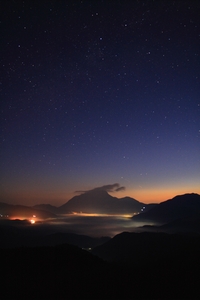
(180, 206)
(99, 201)
(15, 211)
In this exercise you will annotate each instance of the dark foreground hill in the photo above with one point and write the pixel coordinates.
(141, 248)
(166, 268)
(64, 272)
(168, 265)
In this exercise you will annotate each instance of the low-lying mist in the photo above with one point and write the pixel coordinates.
(83, 224)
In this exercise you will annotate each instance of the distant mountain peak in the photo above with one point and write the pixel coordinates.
(100, 201)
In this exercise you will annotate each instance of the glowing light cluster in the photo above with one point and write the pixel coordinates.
(33, 220)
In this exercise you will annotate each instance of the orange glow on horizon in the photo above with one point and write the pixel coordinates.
(148, 194)
(159, 195)
(101, 215)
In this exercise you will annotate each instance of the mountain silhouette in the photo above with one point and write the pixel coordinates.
(182, 206)
(144, 266)
(160, 260)
(47, 207)
(141, 248)
(99, 201)
(62, 272)
(21, 211)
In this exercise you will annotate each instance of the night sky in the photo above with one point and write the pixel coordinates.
(96, 93)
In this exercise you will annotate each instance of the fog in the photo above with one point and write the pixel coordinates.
(92, 225)
(83, 224)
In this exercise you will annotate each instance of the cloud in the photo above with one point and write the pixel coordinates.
(119, 189)
(108, 188)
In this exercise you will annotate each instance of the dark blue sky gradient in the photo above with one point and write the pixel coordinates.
(98, 92)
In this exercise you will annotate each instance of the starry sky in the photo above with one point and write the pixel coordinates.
(96, 93)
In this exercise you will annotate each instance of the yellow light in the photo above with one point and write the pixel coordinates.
(32, 221)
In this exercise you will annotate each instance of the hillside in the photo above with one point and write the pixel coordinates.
(23, 212)
(147, 266)
(182, 206)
